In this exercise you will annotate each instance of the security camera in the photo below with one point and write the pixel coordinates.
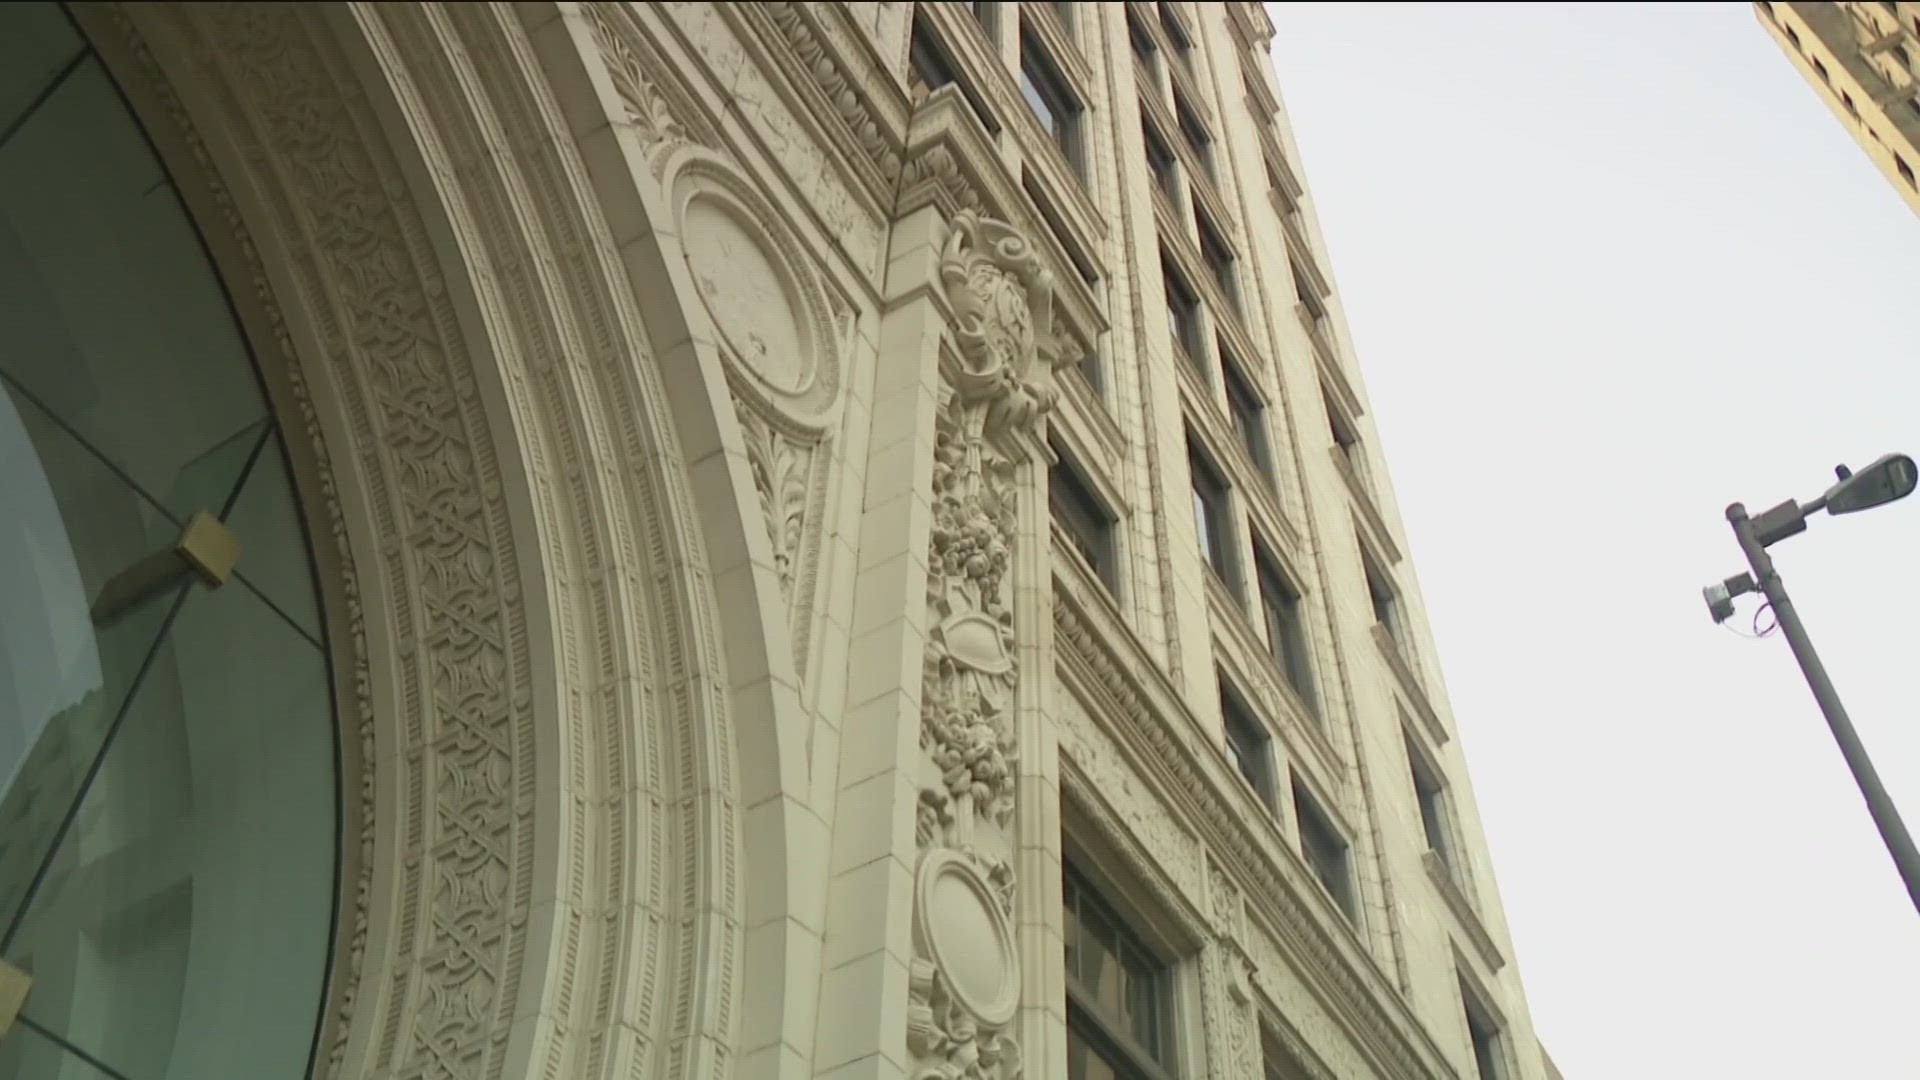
(1720, 597)
(1719, 602)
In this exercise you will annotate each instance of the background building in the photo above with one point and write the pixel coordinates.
(774, 540)
(1861, 59)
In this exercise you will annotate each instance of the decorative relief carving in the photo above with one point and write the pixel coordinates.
(661, 123)
(783, 468)
(782, 335)
(803, 37)
(939, 167)
(966, 972)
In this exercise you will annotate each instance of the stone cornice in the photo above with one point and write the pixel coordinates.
(1165, 738)
(841, 78)
(1410, 687)
(1463, 910)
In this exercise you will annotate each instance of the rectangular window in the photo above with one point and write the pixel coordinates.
(1195, 133)
(932, 68)
(1219, 261)
(1846, 99)
(1284, 612)
(1249, 418)
(1432, 796)
(1385, 598)
(1277, 1063)
(1906, 170)
(1325, 850)
(1118, 1015)
(987, 13)
(1087, 521)
(1820, 69)
(1065, 13)
(1160, 159)
(1144, 50)
(1183, 309)
(1248, 743)
(1177, 36)
(1075, 255)
(1047, 95)
(1488, 1055)
(1793, 36)
(1212, 516)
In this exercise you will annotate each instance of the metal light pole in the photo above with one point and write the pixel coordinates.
(1892, 477)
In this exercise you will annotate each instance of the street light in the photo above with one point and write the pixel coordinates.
(1890, 478)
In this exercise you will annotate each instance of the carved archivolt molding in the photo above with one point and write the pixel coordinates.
(997, 387)
(522, 849)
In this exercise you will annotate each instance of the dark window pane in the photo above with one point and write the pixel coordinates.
(1046, 94)
(1247, 743)
(1086, 521)
(1249, 417)
(1286, 629)
(1212, 517)
(1324, 849)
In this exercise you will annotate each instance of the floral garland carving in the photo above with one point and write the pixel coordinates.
(998, 383)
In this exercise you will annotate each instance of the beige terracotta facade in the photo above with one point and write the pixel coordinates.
(679, 394)
(1864, 62)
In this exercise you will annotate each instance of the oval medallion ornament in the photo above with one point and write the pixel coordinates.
(965, 932)
(747, 294)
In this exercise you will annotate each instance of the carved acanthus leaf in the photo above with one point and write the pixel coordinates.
(781, 471)
(656, 119)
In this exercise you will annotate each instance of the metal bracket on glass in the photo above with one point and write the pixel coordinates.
(14, 985)
(206, 549)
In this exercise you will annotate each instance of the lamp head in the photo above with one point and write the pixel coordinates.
(1892, 477)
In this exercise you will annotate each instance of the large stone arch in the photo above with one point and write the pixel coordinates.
(563, 670)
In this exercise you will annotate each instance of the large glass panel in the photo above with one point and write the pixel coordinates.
(113, 323)
(172, 905)
(168, 816)
(70, 525)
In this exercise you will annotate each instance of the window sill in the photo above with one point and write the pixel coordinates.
(1463, 909)
(1396, 659)
(1363, 497)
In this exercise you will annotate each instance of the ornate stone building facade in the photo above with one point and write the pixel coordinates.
(694, 540)
(1864, 61)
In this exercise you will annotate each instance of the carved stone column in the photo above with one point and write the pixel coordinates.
(925, 846)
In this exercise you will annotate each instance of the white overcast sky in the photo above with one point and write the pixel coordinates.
(1609, 268)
